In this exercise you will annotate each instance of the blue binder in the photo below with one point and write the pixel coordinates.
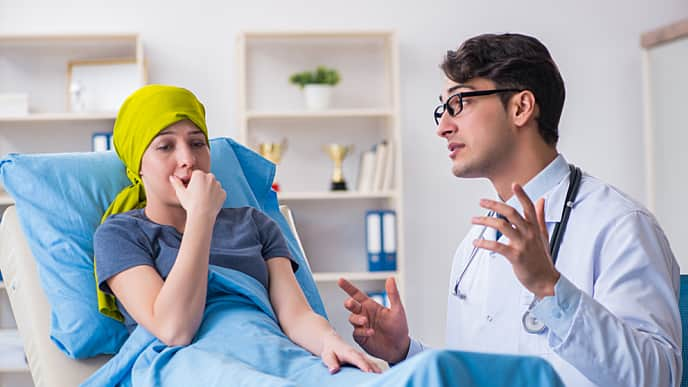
(101, 142)
(380, 297)
(381, 240)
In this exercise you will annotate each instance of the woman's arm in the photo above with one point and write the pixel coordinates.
(172, 309)
(305, 327)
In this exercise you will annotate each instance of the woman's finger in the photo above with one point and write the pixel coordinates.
(356, 358)
(331, 361)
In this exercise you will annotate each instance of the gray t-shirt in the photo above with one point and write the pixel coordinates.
(243, 239)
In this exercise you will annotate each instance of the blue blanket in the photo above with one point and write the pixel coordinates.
(240, 343)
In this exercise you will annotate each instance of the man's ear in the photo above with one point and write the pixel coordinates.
(524, 108)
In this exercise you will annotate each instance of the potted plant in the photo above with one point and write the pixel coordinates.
(317, 86)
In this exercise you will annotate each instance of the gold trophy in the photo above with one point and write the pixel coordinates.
(337, 153)
(273, 151)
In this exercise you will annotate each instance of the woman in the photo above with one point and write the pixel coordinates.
(155, 246)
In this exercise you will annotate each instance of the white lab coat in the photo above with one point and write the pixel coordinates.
(625, 329)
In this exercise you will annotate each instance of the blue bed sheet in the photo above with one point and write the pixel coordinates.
(240, 343)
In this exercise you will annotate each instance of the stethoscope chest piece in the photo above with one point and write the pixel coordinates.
(530, 323)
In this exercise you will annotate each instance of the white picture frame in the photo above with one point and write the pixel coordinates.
(100, 86)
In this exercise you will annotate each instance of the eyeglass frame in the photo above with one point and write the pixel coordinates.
(444, 107)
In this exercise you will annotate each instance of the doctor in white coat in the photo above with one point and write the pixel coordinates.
(561, 265)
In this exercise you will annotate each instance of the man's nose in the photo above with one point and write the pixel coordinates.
(446, 125)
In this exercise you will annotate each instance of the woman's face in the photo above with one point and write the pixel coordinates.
(178, 150)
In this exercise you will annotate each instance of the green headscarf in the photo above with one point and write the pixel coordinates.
(143, 115)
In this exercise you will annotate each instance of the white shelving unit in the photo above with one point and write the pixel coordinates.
(334, 195)
(38, 65)
(365, 111)
(56, 117)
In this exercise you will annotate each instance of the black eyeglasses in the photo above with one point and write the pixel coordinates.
(454, 104)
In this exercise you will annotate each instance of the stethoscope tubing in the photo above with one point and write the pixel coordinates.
(530, 323)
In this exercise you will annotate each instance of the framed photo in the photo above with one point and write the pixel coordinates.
(101, 85)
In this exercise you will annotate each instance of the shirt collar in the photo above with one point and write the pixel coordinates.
(543, 185)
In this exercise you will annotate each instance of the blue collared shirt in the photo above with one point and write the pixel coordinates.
(613, 320)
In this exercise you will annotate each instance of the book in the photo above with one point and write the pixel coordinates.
(380, 160)
(366, 170)
(388, 181)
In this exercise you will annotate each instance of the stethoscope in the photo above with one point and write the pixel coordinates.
(530, 323)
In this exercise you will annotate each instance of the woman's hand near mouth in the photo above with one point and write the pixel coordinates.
(202, 195)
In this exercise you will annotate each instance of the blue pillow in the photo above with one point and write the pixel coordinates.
(60, 199)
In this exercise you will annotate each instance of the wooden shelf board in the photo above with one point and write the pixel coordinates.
(7, 370)
(354, 276)
(49, 117)
(329, 113)
(345, 195)
(309, 34)
(40, 40)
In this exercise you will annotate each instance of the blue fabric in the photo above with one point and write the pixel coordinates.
(240, 343)
(683, 308)
(60, 199)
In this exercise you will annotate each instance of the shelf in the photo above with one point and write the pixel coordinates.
(7, 370)
(346, 195)
(75, 38)
(306, 34)
(354, 276)
(269, 109)
(329, 113)
(98, 45)
(51, 117)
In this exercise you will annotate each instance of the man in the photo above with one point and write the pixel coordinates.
(604, 309)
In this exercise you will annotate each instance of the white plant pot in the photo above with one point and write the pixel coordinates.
(317, 97)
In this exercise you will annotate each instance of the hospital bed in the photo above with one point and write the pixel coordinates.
(48, 365)
(59, 201)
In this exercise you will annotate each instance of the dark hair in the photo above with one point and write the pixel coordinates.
(513, 61)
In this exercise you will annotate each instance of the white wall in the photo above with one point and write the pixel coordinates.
(595, 43)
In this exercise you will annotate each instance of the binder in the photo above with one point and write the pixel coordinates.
(381, 240)
(380, 297)
(100, 142)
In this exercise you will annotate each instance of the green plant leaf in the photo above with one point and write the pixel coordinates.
(321, 76)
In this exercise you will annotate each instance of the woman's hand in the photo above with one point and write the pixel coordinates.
(336, 351)
(202, 196)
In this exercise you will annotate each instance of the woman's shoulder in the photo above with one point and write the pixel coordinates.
(123, 223)
(125, 218)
